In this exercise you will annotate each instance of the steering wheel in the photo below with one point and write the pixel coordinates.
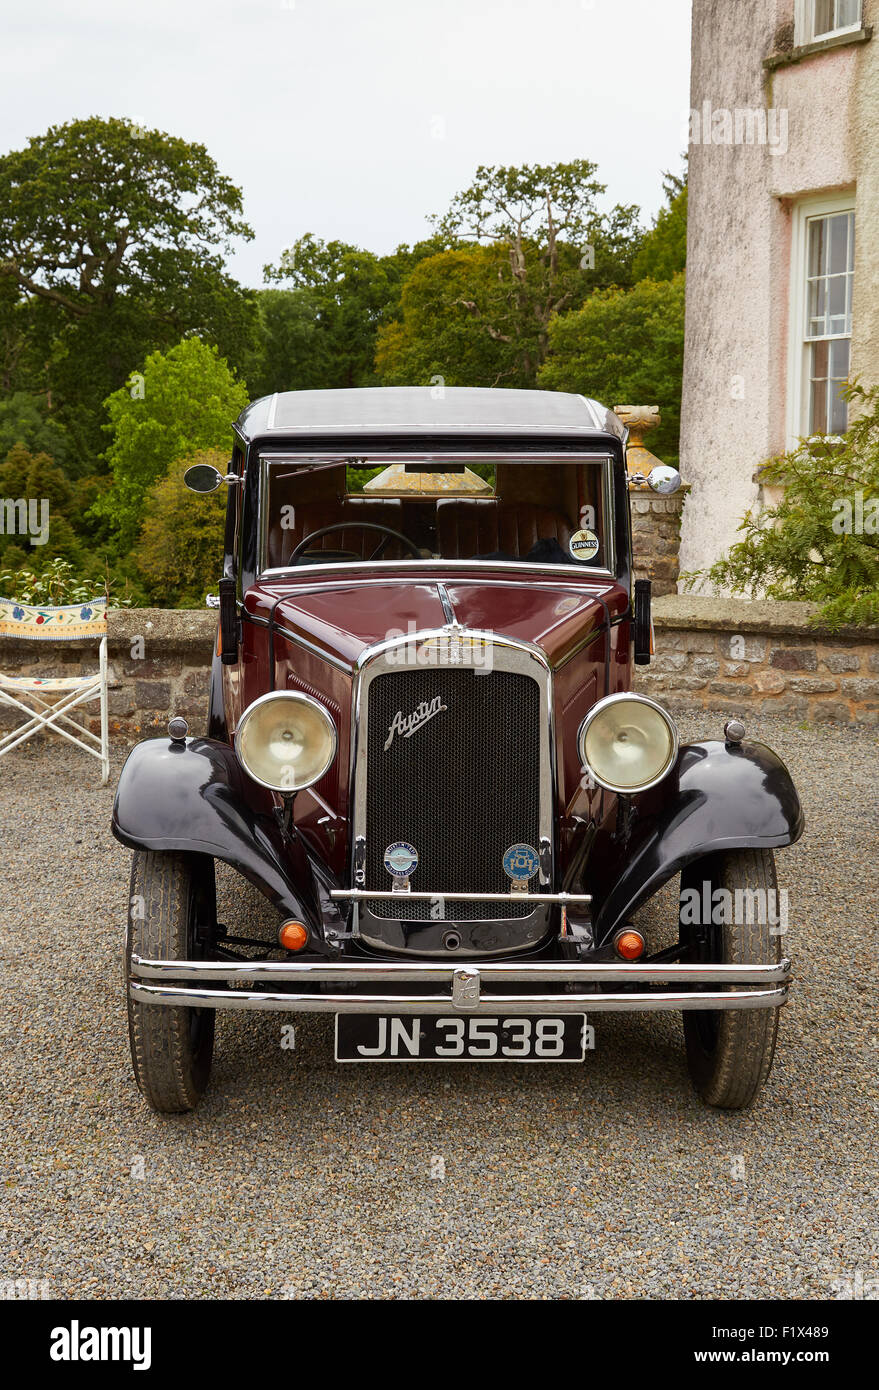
(386, 531)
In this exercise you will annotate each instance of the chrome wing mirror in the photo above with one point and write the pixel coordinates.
(660, 479)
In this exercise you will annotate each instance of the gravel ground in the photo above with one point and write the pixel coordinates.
(297, 1177)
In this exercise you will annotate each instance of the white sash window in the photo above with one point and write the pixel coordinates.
(821, 315)
(822, 19)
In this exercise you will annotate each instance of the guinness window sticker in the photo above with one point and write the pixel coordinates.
(583, 545)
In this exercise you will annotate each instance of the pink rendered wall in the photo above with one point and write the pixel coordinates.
(739, 245)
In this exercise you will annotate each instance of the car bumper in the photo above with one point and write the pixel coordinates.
(427, 987)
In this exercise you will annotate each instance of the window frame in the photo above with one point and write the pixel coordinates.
(804, 24)
(600, 457)
(799, 345)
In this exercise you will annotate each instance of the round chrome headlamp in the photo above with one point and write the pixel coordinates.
(628, 743)
(286, 741)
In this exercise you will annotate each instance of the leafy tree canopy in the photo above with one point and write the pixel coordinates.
(184, 400)
(180, 553)
(25, 420)
(625, 347)
(349, 293)
(111, 245)
(554, 247)
(35, 476)
(96, 208)
(292, 352)
(663, 251)
(437, 337)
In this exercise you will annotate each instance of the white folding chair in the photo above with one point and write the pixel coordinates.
(74, 622)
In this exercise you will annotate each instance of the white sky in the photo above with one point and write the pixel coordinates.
(355, 120)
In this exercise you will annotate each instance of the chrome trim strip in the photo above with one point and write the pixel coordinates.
(520, 567)
(386, 455)
(388, 895)
(498, 1005)
(299, 640)
(448, 608)
(442, 972)
(449, 429)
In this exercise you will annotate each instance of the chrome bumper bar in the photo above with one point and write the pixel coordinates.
(757, 986)
(389, 895)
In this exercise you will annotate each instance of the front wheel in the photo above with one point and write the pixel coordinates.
(171, 1048)
(729, 1052)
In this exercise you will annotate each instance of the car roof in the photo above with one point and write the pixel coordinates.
(447, 410)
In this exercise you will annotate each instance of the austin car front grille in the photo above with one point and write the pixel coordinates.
(453, 768)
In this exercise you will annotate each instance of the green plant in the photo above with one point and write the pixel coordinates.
(57, 583)
(821, 541)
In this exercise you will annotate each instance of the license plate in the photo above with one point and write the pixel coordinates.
(458, 1038)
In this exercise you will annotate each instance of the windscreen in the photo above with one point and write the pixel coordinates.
(353, 510)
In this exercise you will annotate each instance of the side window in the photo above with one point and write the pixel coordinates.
(819, 19)
(830, 252)
(820, 322)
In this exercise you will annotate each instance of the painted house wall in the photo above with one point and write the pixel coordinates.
(824, 115)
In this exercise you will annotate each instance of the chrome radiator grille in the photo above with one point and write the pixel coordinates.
(462, 788)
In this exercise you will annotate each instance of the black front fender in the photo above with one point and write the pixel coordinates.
(190, 796)
(720, 796)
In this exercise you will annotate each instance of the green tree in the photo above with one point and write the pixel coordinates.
(25, 420)
(180, 553)
(821, 542)
(14, 471)
(663, 251)
(323, 334)
(436, 336)
(112, 240)
(557, 249)
(35, 476)
(292, 352)
(183, 400)
(625, 347)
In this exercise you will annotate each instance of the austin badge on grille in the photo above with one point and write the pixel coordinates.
(408, 724)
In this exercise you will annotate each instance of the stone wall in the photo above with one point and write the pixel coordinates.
(764, 658)
(159, 665)
(711, 654)
(656, 537)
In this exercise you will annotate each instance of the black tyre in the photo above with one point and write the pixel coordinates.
(729, 1052)
(171, 1049)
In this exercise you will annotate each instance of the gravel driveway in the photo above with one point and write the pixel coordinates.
(297, 1177)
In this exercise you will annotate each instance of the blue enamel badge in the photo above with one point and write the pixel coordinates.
(521, 862)
(401, 859)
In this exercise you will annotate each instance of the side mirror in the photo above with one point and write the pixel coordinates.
(663, 479)
(660, 479)
(202, 477)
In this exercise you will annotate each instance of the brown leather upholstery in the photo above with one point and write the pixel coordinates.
(480, 526)
(311, 516)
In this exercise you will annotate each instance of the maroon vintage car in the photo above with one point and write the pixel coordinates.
(422, 747)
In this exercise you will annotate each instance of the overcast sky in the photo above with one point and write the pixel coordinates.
(355, 120)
